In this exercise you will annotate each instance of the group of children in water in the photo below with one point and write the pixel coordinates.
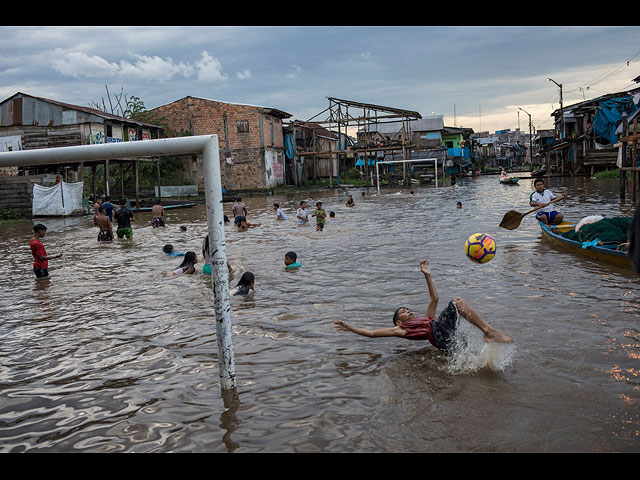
(440, 331)
(239, 212)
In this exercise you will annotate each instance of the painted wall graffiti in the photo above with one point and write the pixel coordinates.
(274, 167)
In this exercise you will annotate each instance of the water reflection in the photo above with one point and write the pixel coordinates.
(111, 354)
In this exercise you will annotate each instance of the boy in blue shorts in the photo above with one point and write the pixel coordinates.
(541, 197)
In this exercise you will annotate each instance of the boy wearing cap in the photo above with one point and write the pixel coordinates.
(40, 258)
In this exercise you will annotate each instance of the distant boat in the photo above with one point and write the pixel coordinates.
(539, 173)
(509, 180)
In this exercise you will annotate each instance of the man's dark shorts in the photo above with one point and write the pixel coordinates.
(41, 272)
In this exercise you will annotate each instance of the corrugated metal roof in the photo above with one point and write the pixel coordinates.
(487, 140)
(427, 124)
(89, 110)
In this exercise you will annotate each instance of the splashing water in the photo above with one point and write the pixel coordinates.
(473, 354)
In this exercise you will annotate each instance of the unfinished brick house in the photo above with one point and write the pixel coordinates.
(250, 139)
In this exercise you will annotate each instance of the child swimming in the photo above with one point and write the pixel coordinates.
(243, 225)
(187, 266)
(280, 215)
(206, 268)
(291, 260)
(246, 283)
(170, 252)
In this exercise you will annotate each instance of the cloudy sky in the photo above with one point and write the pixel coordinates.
(482, 75)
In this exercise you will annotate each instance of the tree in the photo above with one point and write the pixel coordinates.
(133, 107)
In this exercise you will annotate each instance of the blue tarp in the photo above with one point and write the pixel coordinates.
(459, 152)
(360, 162)
(288, 146)
(609, 115)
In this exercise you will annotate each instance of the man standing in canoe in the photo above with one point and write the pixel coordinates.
(541, 196)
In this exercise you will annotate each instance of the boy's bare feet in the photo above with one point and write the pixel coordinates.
(494, 335)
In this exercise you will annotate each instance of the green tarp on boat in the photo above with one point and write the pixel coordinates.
(607, 230)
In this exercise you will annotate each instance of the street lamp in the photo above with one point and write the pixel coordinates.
(530, 138)
(561, 112)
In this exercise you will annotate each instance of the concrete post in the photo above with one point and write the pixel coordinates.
(218, 256)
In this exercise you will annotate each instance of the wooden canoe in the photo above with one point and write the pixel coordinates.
(598, 252)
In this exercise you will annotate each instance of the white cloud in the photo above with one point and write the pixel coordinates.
(209, 69)
(246, 73)
(154, 68)
(142, 67)
(78, 64)
(294, 72)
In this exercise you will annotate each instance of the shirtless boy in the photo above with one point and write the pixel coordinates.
(157, 214)
(102, 222)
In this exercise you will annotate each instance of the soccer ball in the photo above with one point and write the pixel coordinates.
(480, 248)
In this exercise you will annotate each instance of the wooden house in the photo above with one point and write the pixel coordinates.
(586, 133)
(250, 139)
(30, 122)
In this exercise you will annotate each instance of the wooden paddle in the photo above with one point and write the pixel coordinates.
(512, 219)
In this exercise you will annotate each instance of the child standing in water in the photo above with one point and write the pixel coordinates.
(439, 331)
(123, 217)
(301, 213)
(320, 215)
(157, 212)
(104, 225)
(40, 257)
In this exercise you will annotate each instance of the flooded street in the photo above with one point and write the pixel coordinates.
(112, 355)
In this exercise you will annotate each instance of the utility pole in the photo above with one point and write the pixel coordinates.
(561, 111)
(530, 138)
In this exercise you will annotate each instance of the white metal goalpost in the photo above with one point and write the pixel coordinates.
(207, 145)
(435, 164)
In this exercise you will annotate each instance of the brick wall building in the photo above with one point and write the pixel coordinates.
(250, 139)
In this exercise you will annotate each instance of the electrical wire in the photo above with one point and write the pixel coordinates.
(612, 71)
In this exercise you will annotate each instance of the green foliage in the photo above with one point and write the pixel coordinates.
(351, 175)
(10, 214)
(615, 173)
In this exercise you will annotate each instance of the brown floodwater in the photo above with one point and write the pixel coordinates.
(112, 355)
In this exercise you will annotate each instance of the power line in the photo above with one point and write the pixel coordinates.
(612, 71)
